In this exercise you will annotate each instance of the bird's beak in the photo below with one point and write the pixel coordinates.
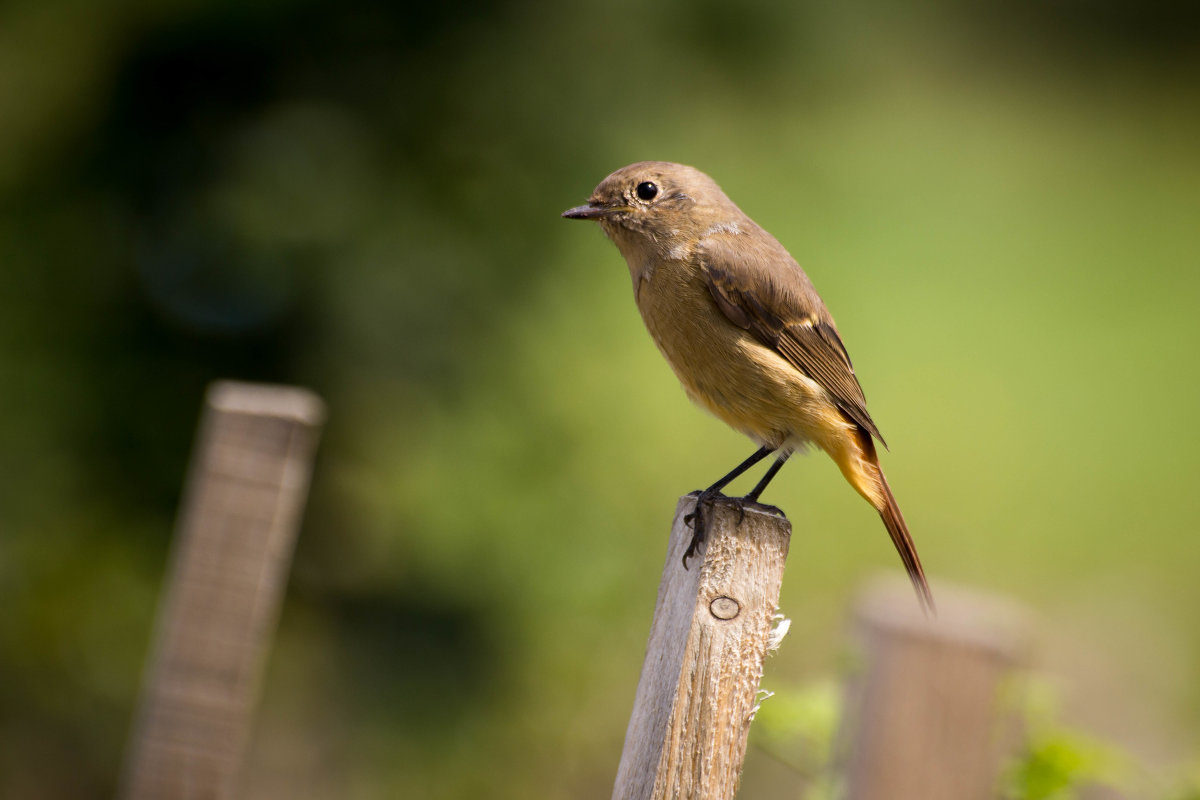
(590, 211)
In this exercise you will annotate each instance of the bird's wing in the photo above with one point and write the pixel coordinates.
(761, 289)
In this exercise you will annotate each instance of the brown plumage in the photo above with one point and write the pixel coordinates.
(744, 330)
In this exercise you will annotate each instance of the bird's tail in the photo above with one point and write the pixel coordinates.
(898, 530)
(889, 511)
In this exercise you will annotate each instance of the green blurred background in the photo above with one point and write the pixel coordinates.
(999, 201)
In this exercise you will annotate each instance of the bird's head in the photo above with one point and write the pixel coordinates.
(656, 204)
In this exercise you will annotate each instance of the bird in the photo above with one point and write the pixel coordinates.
(747, 335)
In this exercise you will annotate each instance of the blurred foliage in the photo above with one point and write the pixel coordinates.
(1061, 762)
(1055, 766)
(997, 200)
(1057, 761)
(798, 726)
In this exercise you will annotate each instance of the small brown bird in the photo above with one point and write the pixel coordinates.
(745, 332)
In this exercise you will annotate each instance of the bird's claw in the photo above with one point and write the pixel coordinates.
(698, 519)
(776, 510)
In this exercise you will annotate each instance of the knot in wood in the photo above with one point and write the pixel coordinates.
(724, 607)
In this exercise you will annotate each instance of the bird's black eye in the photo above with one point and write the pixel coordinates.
(647, 191)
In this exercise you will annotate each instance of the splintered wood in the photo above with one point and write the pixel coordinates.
(242, 507)
(704, 660)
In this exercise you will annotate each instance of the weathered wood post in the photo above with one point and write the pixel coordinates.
(697, 692)
(233, 544)
(924, 718)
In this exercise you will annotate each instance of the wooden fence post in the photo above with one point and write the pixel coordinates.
(924, 719)
(233, 544)
(704, 660)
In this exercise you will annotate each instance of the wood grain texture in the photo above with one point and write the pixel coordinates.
(704, 660)
(242, 507)
(924, 718)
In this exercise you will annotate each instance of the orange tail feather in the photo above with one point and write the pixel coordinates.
(897, 528)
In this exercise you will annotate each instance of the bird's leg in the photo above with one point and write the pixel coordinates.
(752, 497)
(762, 484)
(697, 517)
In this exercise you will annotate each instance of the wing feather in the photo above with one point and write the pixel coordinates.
(761, 289)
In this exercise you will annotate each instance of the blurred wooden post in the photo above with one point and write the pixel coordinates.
(233, 545)
(704, 660)
(924, 720)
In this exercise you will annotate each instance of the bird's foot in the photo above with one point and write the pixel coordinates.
(776, 510)
(699, 518)
(701, 515)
